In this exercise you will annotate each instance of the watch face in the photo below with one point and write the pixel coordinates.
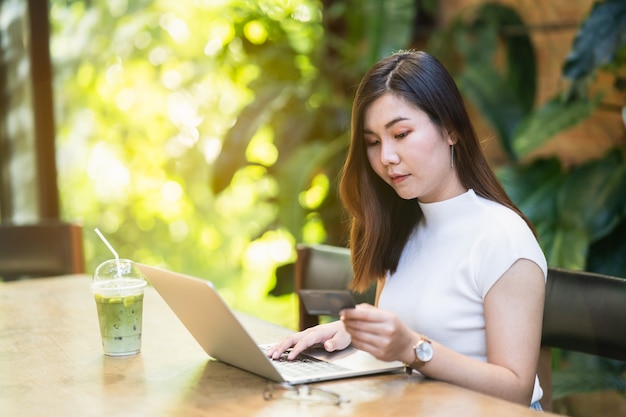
(424, 351)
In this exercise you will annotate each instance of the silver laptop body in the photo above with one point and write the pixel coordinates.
(216, 328)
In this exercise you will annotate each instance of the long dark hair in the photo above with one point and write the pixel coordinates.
(381, 221)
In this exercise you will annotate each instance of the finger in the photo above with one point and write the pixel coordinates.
(339, 341)
(382, 328)
(309, 339)
(281, 347)
(364, 312)
(353, 325)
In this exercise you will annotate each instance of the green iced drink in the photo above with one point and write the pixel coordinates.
(120, 323)
(118, 288)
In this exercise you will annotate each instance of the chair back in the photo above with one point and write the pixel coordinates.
(584, 312)
(324, 267)
(40, 250)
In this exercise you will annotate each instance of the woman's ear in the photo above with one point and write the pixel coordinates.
(451, 139)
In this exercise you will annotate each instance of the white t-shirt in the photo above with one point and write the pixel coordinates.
(457, 252)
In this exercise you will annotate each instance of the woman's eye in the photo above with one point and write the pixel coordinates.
(371, 140)
(401, 135)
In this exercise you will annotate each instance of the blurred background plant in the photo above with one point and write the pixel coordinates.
(206, 137)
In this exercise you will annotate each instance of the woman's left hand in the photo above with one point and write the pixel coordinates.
(380, 333)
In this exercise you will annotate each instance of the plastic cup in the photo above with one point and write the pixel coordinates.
(118, 287)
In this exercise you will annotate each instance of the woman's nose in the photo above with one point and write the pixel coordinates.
(388, 154)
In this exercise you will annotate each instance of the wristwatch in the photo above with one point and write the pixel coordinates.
(423, 354)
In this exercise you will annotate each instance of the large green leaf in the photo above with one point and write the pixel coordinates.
(504, 94)
(521, 66)
(293, 176)
(553, 117)
(296, 173)
(269, 99)
(494, 98)
(295, 124)
(533, 187)
(281, 102)
(593, 196)
(575, 381)
(389, 25)
(599, 39)
(566, 248)
(546, 235)
(608, 255)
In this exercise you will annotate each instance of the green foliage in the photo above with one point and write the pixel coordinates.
(378, 16)
(598, 43)
(503, 94)
(145, 92)
(206, 137)
(552, 118)
(306, 107)
(571, 209)
(588, 373)
(493, 97)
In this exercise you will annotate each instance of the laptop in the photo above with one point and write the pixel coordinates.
(220, 333)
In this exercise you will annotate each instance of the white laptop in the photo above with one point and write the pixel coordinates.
(216, 328)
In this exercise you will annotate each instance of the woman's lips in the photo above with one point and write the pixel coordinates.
(395, 179)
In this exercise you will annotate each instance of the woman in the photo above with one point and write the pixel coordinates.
(460, 275)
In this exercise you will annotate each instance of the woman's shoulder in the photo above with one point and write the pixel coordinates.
(503, 229)
(505, 238)
(499, 217)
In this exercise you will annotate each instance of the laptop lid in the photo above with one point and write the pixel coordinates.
(216, 328)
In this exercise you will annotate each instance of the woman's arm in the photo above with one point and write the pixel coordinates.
(513, 317)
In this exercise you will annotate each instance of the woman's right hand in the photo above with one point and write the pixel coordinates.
(332, 335)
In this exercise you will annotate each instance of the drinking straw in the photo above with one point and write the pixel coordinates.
(106, 242)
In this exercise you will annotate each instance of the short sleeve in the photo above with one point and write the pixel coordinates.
(496, 250)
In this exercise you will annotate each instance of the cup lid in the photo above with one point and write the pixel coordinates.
(117, 270)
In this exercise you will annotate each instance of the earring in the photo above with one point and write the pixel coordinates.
(451, 156)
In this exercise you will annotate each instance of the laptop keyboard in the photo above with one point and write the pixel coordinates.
(303, 365)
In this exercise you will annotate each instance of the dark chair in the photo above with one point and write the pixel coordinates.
(584, 312)
(40, 250)
(324, 267)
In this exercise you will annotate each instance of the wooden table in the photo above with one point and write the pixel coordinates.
(51, 364)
